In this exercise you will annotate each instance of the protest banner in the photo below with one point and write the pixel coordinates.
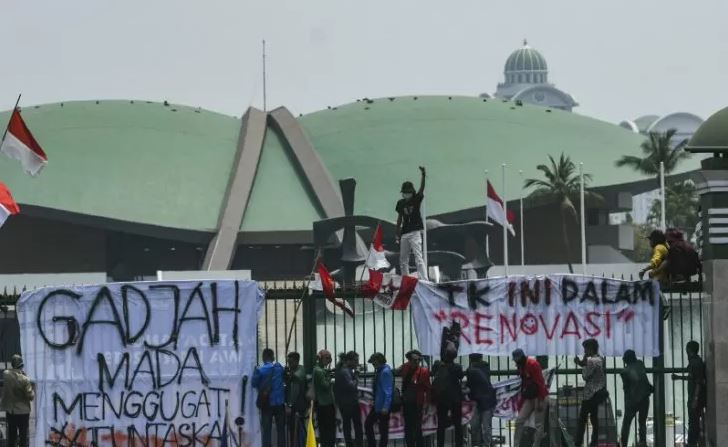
(543, 315)
(506, 408)
(143, 364)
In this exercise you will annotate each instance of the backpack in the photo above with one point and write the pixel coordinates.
(263, 399)
(440, 384)
(683, 260)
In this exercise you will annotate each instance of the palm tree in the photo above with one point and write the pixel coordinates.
(656, 148)
(681, 207)
(562, 184)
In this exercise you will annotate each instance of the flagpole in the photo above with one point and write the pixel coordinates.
(424, 237)
(505, 223)
(300, 301)
(17, 101)
(583, 220)
(487, 247)
(663, 221)
(523, 249)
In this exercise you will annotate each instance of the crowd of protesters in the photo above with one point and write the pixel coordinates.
(285, 396)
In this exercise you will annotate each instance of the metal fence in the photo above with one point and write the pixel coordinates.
(319, 325)
(313, 324)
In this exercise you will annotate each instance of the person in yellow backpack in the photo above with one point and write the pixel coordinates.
(18, 393)
(656, 267)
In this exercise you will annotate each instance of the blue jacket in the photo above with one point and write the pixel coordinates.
(383, 388)
(270, 375)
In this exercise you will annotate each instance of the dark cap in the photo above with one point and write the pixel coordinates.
(408, 187)
(629, 356)
(475, 357)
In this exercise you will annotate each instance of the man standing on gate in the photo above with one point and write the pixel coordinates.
(697, 392)
(410, 227)
(17, 393)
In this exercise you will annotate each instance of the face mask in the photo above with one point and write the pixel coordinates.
(406, 195)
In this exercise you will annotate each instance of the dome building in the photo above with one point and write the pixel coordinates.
(526, 79)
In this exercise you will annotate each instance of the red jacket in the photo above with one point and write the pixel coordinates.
(532, 372)
(420, 379)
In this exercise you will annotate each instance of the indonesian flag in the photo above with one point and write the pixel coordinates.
(8, 206)
(19, 144)
(389, 291)
(377, 259)
(326, 284)
(496, 211)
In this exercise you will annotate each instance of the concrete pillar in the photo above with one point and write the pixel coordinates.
(712, 184)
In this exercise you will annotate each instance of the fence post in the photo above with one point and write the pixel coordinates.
(308, 320)
(659, 379)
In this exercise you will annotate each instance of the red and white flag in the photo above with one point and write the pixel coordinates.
(377, 258)
(8, 207)
(19, 144)
(326, 284)
(389, 291)
(496, 211)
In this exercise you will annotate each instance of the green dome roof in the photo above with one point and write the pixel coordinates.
(169, 166)
(712, 134)
(525, 59)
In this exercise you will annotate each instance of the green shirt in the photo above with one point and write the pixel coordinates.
(322, 386)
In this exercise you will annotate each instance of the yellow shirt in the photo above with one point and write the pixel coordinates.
(659, 255)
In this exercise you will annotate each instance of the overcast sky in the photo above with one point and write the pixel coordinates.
(619, 58)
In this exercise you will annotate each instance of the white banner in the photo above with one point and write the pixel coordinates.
(143, 364)
(543, 315)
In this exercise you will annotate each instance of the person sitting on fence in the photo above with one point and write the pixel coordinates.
(637, 390)
(325, 409)
(595, 390)
(697, 391)
(268, 381)
(658, 243)
(346, 392)
(532, 399)
(682, 260)
(483, 395)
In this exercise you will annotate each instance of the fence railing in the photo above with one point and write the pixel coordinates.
(313, 324)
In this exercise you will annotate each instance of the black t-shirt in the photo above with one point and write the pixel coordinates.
(696, 376)
(409, 209)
